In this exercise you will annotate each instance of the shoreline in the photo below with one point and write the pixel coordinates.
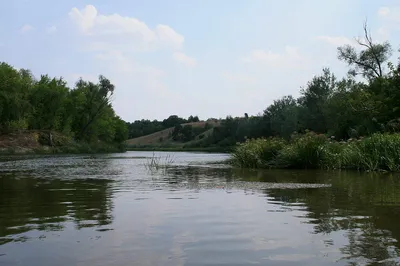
(33, 142)
(181, 149)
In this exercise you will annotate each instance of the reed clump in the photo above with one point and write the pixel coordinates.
(378, 152)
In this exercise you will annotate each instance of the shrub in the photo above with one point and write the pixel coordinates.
(377, 152)
(332, 155)
(257, 153)
(305, 151)
(15, 125)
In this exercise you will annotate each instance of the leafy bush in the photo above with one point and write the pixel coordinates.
(332, 155)
(375, 153)
(305, 151)
(257, 153)
(15, 125)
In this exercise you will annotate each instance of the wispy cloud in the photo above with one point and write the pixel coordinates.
(51, 29)
(26, 28)
(184, 59)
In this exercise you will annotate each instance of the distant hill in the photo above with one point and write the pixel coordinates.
(164, 137)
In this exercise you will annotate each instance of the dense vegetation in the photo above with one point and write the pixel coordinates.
(366, 103)
(380, 151)
(82, 115)
(187, 133)
(146, 127)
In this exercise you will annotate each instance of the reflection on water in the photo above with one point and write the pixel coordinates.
(110, 210)
(29, 204)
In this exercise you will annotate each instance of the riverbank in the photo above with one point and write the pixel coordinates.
(46, 142)
(378, 152)
(182, 149)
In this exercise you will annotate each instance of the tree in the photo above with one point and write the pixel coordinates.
(368, 62)
(282, 116)
(313, 100)
(15, 108)
(94, 99)
(48, 98)
(176, 132)
(172, 121)
(193, 119)
(48, 104)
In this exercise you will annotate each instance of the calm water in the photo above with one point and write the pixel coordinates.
(111, 210)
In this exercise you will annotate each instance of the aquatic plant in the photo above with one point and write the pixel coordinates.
(304, 151)
(257, 153)
(156, 163)
(378, 152)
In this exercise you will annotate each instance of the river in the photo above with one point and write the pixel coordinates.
(113, 210)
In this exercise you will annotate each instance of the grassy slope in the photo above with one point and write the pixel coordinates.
(153, 140)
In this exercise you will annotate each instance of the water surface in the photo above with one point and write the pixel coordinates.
(112, 210)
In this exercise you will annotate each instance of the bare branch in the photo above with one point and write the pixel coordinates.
(362, 44)
(368, 37)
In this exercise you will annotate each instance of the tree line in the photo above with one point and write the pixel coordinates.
(364, 102)
(84, 112)
(145, 127)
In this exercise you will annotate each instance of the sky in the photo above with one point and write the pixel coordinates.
(177, 57)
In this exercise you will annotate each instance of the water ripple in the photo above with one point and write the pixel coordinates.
(109, 210)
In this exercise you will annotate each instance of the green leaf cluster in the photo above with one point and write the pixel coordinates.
(84, 112)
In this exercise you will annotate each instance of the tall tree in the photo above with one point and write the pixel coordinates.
(313, 100)
(282, 116)
(369, 62)
(48, 97)
(15, 86)
(95, 98)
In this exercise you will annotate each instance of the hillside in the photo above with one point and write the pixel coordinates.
(164, 138)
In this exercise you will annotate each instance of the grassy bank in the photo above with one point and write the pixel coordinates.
(378, 152)
(40, 142)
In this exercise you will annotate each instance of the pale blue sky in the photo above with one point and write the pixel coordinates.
(206, 58)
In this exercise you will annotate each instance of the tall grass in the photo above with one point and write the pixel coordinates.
(257, 153)
(304, 151)
(156, 163)
(378, 152)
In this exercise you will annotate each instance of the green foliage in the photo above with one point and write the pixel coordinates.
(48, 100)
(378, 152)
(15, 125)
(193, 119)
(143, 127)
(333, 155)
(303, 152)
(283, 117)
(84, 112)
(257, 153)
(146, 127)
(176, 133)
(314, 100)
(186, 133)
(344, 108)
(15, 107)
(369, 61)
